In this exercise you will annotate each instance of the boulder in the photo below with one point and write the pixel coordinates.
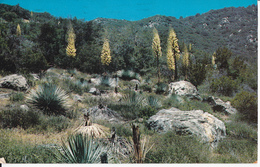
(94, 91)
(184, 88)
(24, 108)
(16, 82)
(95, 81)
(2, 161)
(135, 81)
(220, 106)
(77, 98)
(5, 95)
(194, 122)
(103, 113)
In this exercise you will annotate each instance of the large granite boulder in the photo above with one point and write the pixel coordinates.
(103, 113)
(16, 82)
(194, 122)
(184, 88)
(220, 106)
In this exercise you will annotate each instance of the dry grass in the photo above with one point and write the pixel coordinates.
(19, 134)
(95, 130)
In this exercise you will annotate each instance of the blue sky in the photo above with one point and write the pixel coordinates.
(125, 9)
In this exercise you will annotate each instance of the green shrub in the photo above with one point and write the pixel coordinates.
(161, 88)
(224, 85)
(146, 87)
(241, 130)
(129, 75)
(106, 81)
(246, 104)
(18, 151)
(153, 102)
(171, 148)
(236, 151)
(15, 117)
(147, 111)
(19, 96)
(54, 123)
(49, 98)
(77, 86)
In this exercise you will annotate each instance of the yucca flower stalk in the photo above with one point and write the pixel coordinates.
(49, 98)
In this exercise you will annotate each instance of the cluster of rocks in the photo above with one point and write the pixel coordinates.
(194, 122)
(103, 113)
(220, 106)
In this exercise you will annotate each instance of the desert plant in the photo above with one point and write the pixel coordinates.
(171, 148)
(161, 88)
(129, 75)
(146, 87)
(246, 104)
(153, 101)
(224, 85)
(16, 117)
(76, 86)
(94, 130)
(56, 123)
(49, 98)
(17, 150)
(106, 81)
(80, 149)
(134, 99)
(147, 112)
(19, 96)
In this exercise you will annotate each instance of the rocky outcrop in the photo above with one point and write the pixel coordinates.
(104, 113)
(5, 95)
(220, 106)
(16, 82)
(184, 88)
(194, 122)
(2, 161)
(94, 91)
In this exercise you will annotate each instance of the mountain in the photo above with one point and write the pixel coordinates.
(130, 41)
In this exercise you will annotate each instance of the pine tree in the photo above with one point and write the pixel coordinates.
(185, 61)
(156, 46)
(18, 30)
(105, 53)
(173, 52)
(71, 37)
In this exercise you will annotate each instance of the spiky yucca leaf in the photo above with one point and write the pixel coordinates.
(49, 97)
(80, 148)
(153, 102)
(134, 99)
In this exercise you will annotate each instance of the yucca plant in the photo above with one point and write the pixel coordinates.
(154, 102)
(106, 81)
(133, 98)
(49, 98)
(80, 148)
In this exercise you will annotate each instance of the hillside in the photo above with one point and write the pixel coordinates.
(63, 104)
(235, 28)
